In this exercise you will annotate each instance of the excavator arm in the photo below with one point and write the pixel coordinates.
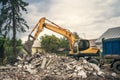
(51, 26)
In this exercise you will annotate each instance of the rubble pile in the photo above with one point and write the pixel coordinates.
(51, 67)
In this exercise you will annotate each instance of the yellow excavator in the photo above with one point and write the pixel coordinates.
(77, 47)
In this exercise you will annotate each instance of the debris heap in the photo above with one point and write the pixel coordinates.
(51, 67)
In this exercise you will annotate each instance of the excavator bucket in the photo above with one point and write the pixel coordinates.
(28, 46)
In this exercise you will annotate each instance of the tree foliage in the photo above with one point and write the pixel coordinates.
(9, 9)
(6, 54)
(50, 43)
(9, 57)
(64, 43)
(11, 19)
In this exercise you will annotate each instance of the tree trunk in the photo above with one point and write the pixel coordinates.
(14, 31)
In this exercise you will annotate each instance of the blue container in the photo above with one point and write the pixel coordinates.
(111, 47)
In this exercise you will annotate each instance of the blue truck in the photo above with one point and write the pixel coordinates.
(111, 51)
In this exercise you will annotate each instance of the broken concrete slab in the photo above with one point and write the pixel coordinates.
(43, 63)
(47, 66)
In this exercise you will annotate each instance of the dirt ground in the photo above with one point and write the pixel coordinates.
(109, 71)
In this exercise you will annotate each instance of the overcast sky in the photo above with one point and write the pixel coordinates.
(89, 18)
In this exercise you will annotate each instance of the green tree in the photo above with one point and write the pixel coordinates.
(19, 42)
(50, 43)
(64, 43)
(9, 57)
(11, 19)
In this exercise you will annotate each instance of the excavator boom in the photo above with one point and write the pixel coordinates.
(54, 27)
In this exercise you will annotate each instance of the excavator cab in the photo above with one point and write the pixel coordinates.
(83, 44)
(80, 45)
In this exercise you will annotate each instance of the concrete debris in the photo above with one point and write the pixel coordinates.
(51, 67)
(114, 74)
(43, 63)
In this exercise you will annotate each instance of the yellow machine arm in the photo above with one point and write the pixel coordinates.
(51, 26)
(54, 27)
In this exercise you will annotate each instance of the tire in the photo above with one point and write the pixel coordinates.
(95, 61)
(116, 67)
